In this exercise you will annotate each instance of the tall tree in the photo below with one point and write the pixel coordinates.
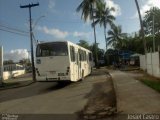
(115, 37)
(152, 16)
(100, 52)
(152, 24)
(86, 6)
(103, 17)
(84, 44)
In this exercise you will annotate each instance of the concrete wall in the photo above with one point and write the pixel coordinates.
(142, 62)
(153, 63)
(156, 64)
(149, 63)
(10, 74)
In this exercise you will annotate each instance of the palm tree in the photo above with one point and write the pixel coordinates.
(86, 6)
(84, 44)
(103, 17)
(142, 29)
(116, 37)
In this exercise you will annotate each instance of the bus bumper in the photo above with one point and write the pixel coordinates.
(44, 78)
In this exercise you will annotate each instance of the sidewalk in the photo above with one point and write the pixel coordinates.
(20, 81)
(133, 96)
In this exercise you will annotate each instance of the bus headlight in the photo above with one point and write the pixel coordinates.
(38, 61)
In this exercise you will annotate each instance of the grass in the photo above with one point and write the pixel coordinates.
(151, 81)
(153, 84)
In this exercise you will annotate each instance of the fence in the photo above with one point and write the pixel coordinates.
(153, 63)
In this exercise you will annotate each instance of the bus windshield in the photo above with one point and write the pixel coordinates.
(52, 49)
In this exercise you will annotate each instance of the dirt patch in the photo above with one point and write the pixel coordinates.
(147, 79)
(101, 102)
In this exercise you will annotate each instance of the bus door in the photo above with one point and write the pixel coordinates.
(79, 64)
(73, 63)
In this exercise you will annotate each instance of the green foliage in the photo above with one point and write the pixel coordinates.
(116, 37)
(152, 15)
(103, 17)
(110, 56)
(100, 52)
(84, 44)
(86, 6)
(132, 43)
(91, 47)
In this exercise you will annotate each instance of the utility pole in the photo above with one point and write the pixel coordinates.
(95, 41)
(32, 54)
(153, 28)
(154, 48)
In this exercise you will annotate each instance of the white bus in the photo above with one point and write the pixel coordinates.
(61, 61)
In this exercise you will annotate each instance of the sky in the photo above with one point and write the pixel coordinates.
(58, 20)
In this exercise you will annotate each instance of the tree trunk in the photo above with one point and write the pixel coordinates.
(96, 55)
(105, 37)
(106, 45)
(142, 31)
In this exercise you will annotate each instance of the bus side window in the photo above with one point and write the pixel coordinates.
(76, 55)
(72, 53)
(80, 55)
(87, 57)
(83, 55)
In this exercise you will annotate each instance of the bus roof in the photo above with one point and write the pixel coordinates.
(66, 42)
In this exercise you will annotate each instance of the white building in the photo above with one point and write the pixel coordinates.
(13, 70)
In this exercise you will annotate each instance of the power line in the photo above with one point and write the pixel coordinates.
(14, 32)
(15, 29)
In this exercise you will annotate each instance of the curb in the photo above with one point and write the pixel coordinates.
(129, 69)
(115, 90)
(21, 84)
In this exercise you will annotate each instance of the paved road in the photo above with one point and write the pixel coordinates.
(50, 97)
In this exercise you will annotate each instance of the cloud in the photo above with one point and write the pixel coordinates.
(82, 34)
(51, 4)
(63, 34)
(54, 32)
(147, 4)
(16, 55)
(110, 3)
